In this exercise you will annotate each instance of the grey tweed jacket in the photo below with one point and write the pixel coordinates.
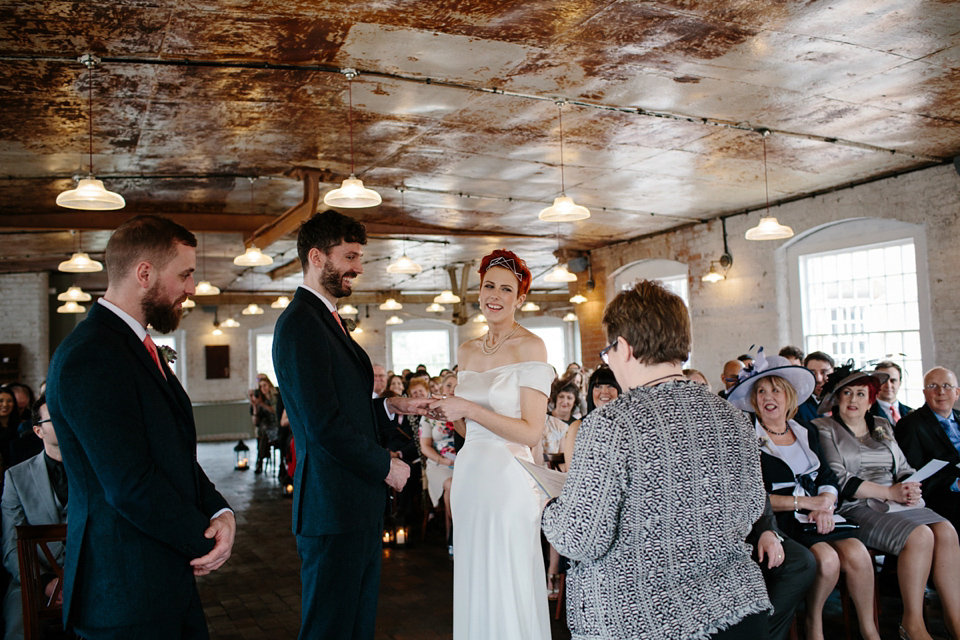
(663, 489)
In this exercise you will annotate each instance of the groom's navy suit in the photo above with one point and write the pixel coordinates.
(139, 501)
(339, 490)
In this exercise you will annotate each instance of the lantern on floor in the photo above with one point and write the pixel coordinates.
(387, 536)
(288, 490)
(243, 456)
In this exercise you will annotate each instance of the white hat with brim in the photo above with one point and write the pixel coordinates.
(800, 378)
(830, 399)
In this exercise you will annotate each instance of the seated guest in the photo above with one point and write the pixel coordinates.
(871, 468)
(803, 488)
(663, 487)
(932, 432)
(793, 354)
(730, 376)
(25, 400)
(395, 385)
(564, 397)
(602, 388)
(788, 569)
(9, 425)
(435, 386)
(697, 376)
(379, 379)
(436, 446)
(822, 366)
(34, 492)
(746, 359)
(887, 406)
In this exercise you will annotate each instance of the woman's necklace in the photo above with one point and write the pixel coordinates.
(775, 433)
(492, 349)
(653, 382)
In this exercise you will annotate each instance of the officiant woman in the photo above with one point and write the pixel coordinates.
(663, 489)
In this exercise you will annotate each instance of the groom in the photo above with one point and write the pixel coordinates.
(340, 485)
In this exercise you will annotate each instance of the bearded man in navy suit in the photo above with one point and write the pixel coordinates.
(144, 518)
(340, 485)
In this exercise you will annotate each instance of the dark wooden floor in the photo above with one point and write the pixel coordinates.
(257, 593)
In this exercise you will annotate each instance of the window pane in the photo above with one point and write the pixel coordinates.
(264, 356)
(556, 350)
(429, 347)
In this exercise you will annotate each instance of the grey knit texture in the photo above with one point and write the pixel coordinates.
(663, 488)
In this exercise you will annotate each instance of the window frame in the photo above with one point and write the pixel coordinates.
(422, 324)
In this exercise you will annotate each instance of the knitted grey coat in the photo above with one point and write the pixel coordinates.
(663, 488)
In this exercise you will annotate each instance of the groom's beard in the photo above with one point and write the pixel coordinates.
(163, 315)
(333, 281)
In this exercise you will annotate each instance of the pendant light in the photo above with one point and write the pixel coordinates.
(563, 209)
(204, 288)
(230, 323)
(352, 194)
(75, 294)
(578, 298)
(252, 257)
(447, 297)
(404, 265)
(559, 273)
(725, 261)
(252, 309)
(71, 307)
(434, 307)
(570, 317)
(530, 306)
(281, 302)
(391, 305)
(188, 304)
(713, 275)
(394, 320)
(80, 262)
(90, 194)
(480, 319)
(768, 228)
(348, 310)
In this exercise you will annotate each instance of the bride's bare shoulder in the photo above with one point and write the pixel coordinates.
(529, 346)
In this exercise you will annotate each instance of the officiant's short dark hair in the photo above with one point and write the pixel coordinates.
(653, 320)
(324, 231)
(145, 237)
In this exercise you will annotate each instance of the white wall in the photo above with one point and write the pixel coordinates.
(24, 320)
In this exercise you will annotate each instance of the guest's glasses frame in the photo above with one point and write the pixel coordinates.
(605, 354)
(946, 387)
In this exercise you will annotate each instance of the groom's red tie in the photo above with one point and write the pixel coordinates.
(152, 348)
(336, 317)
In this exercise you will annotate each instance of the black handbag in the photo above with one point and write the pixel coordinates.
(841, 530)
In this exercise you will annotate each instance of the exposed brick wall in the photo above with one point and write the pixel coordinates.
(24, 320)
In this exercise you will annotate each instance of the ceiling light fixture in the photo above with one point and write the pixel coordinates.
(563, 208)
(433, 307)
(352, 194)
(570, 317)
(252, 257)
(348, 310)
(71, 307)
(230, 323)
(391, 305)
(578, 299)
(204, 288)
(447, 297)
(404, 265)
(188, 304)
(394, 320)
(480, 319)
(768, 227)
(530, 305)
(80, 262)
(559, 273)
(725, 261)
(280, 303)
(252, 309)
(90, 194)
(74, 293)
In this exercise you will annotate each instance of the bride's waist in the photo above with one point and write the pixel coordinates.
(479, 436)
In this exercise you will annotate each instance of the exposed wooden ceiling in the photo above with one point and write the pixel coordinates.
(456, 104)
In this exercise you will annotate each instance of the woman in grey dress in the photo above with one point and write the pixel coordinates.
(871, 468)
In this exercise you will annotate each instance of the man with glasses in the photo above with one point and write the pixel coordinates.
(34, 492)
(933, 432)
(730, 376)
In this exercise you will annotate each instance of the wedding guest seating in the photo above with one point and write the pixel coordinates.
(33, 542)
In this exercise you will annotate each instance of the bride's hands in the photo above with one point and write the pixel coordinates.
(448, 408)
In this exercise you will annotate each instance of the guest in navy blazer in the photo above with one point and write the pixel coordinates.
(340, 483)
(887, 406)
(144, 518)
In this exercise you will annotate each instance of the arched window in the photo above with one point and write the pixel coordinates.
(561, 339)
(422, 341)
(671, 273)
(858, 290)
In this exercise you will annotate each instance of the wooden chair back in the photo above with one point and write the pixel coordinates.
(33, 543)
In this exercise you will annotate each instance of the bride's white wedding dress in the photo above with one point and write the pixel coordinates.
(499, 584)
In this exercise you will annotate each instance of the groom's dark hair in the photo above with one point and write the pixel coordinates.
(324, 231)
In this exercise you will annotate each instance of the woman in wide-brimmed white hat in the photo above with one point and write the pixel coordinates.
(803, 489)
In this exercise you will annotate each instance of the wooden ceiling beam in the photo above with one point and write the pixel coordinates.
(290, 220)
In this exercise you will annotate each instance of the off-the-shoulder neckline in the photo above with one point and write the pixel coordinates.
(503, 366)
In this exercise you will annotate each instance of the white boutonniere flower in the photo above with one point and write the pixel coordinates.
(168, 354)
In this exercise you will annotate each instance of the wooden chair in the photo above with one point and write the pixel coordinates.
(33, 542)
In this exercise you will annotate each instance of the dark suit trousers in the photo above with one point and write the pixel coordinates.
(787, 584)
(190, 625)
(340, 574)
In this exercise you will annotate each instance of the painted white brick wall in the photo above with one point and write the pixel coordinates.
(24, 320)
(730, 316)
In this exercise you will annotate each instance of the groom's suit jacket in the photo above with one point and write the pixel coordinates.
(327, 380)
(139, 501)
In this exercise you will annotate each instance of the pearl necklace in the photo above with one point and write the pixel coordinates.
(490, 350)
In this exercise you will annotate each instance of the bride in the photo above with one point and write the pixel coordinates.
(499, 586)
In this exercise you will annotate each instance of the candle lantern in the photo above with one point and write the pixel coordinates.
(396, 533)
(243, 456)
(387, 536)
(288, 490)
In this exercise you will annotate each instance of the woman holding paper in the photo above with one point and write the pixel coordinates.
(803, 489)
(871, 469)
(499, 584)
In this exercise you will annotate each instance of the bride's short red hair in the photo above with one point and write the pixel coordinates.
(510, 261)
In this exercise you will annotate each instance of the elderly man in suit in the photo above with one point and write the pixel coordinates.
(887, 406)
(34, 492)
(933, 432)
(144, 518)
(342, 475)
